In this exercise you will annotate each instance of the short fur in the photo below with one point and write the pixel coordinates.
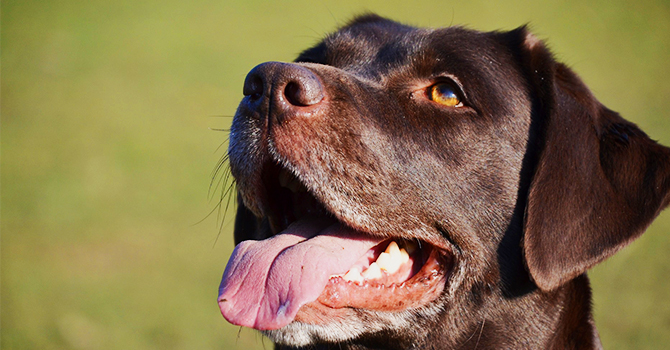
(530, 184)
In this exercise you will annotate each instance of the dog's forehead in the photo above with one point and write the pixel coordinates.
(364, 47)
(376, 47)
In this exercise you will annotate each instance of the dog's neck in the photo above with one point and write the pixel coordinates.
(576, 328)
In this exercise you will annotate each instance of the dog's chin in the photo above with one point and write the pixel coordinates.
(352, 324)
(302, 334)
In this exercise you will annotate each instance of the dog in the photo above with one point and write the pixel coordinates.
(409, 188)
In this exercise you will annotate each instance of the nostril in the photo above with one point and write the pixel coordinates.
(253, 86)
(303, 92)
(293, 94)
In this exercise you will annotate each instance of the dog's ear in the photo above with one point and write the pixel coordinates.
(598, 182)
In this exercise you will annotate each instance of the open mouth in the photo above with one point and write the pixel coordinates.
(396, 279)
(314, 257)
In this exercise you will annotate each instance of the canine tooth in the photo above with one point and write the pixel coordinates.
(353, 275)
(392, 248)
(372, 272)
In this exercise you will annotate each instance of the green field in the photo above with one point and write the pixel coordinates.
(107, 155)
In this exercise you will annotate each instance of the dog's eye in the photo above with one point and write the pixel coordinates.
(445, 94)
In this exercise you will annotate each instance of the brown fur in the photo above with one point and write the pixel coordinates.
(528, 185)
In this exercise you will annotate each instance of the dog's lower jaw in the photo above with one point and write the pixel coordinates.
(303, 334)
(346, 330)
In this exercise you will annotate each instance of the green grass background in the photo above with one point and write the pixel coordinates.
(107, 155)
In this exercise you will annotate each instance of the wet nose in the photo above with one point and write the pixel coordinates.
(291, 88)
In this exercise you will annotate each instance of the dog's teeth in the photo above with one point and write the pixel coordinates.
(354, 275)
(385, 262)
(388, 262)
(392, 258)
(392, 248)
(372, 272)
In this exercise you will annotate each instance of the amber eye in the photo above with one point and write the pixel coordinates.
(445, 94)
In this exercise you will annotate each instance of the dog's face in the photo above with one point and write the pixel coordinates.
(485, 162)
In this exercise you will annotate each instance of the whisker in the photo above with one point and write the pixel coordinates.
(225, 194)
(230, 194)
(225, 142)
(221, 182)
(221, 175)
(206, 216)
(239, 332)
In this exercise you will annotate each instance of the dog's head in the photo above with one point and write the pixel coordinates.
(492, 168)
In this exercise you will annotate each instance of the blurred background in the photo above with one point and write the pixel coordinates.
(108, 151)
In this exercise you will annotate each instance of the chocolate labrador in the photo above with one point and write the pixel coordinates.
(408, 188)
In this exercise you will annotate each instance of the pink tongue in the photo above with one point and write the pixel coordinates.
(266, 282)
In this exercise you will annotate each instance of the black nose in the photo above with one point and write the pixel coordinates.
(289, 87)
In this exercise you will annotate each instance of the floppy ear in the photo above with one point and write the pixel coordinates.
(599, 180)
